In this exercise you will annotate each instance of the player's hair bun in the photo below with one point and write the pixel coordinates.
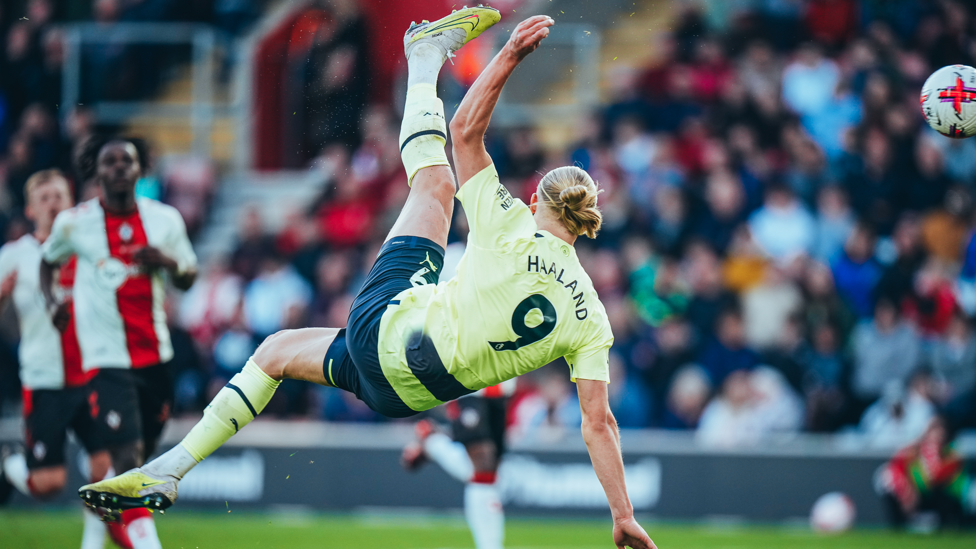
(572, 194)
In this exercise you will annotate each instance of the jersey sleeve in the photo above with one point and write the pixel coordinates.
(592, 359)
(7, 263)
(494, 215)
(58, 246)
(180, 246)
(590, 363)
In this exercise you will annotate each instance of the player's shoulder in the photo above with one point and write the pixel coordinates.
(154, 210)
(15, 246)
(83, 211)
(17, 251)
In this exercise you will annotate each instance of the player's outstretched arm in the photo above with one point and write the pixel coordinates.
(60, 315)
(603, 443)
(470, 122)
(7, 285)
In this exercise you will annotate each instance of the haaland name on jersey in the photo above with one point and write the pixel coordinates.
(538, 265)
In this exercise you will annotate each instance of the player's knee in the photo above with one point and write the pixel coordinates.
(127, 456)
(99, 464)
(48, 482)
(436, 182)
(484, 456)
(271, 357)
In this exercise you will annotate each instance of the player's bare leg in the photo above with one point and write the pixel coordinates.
(289, 354)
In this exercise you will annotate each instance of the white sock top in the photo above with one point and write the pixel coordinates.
(424, 64)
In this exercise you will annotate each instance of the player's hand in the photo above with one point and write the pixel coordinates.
(528, 35)
(7, 285)
(627, 533)
(151, 258)
(61, 316)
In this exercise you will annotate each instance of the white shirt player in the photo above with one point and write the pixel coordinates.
(49, 359)
(119, 306)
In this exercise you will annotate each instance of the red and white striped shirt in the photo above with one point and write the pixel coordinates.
(119, 306)
(49, 359)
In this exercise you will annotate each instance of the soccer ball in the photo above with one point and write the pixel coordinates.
(832, 513)
(949, 101)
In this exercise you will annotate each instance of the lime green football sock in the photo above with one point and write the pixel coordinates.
(423, 132)
(235, 406)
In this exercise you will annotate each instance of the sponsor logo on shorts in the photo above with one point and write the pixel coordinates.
(113, 420)
(39, 450)
(470, 418)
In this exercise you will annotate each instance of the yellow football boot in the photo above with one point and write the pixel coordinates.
(451, 32)
(130, 490)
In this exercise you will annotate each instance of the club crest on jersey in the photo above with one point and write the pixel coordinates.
(126, 232)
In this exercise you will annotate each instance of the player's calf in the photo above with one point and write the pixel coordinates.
(47, 482)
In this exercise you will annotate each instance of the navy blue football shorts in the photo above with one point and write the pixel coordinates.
(352, 362)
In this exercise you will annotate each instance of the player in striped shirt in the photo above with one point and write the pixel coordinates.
(520, 299)
(55, 388)
(126, 249)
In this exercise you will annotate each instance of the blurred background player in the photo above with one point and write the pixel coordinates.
(124, 247)
(928, 476)
(55, 387)
(471, 455)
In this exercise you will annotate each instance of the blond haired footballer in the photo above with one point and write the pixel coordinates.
(519, 301)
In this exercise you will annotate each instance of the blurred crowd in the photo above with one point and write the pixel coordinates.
(787, 247)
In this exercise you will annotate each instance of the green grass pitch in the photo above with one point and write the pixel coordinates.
(187, 529)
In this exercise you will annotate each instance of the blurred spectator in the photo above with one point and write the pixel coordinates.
(767, 307)
(901, 414)
(673, 352)
(549, 404)
(897, 283)
(886, 349)
(825, 382)
(687, 398)
(252, 244)
(856, 272)
(834, 223)
(760, 70)
(832, 22)
(809, 81)
(944, 230)
(933, 302)
(703, 270)
(727, 352)
(276, 299)
(630, 402)
(952, 359)
(724, 210)
(782, 227)
(751, 406)
(823, 305)
(212, 303)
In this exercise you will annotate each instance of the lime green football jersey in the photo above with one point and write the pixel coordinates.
(520, 300)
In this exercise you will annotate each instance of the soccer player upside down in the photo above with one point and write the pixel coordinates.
(519, 301)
